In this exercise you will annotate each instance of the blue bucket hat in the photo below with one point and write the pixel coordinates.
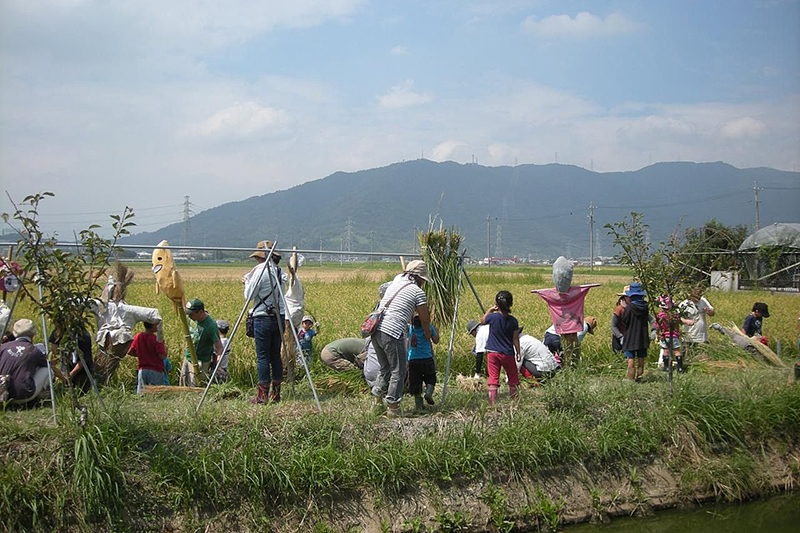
(635, 289)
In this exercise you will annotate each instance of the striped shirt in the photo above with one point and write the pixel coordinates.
(399, 313)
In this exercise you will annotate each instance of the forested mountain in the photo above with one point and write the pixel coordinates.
(542, 210)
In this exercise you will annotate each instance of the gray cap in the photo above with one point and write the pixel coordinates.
(472, 325)
(223, 324)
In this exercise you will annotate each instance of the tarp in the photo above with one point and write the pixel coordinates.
(775, 235)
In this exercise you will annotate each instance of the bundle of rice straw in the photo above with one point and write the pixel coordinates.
(470, 384)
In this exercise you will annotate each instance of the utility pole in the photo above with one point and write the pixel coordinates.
(341, 247)
(756, 188)
(591, 236)
(320, 251)
(371, 246)
(488, 240)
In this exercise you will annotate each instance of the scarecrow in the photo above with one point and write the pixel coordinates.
(116, 320)
(168, 281)
(565, 302)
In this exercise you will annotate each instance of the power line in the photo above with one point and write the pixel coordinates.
(113, 212)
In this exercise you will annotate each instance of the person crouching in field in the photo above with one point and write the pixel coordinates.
(421, 364)
(637, 326)
(502, 346)
(150, 353)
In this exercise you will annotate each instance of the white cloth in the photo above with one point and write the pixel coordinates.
(371, 366)
(258, 289)
(536, 352)
(116, 321)
(481, 337)
(295, 301)
(226, 353)
(697, 332)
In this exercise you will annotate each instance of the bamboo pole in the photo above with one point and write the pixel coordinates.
(452, 330)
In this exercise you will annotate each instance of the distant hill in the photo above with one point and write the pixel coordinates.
(541, 209)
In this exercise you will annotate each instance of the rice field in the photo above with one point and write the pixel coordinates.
(340, 296)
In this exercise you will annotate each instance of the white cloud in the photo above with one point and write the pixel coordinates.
(243, 120)
(402, 95)
(399, 50)
(583, 26)
(445, 150)
(743, 128)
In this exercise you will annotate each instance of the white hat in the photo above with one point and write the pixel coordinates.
(418, 268)
(24, 328)
(308, 317)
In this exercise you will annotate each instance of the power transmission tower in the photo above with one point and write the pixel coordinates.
(498, 242)
(597, 248)
(488, 240)
(591, 236)
(187, 214)
(756, 188)
(348, 233)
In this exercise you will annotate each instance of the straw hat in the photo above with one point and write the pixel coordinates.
(264, 245)
(418, 268)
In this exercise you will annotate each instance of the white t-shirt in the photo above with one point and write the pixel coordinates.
(481, 337)
(226, 352)
(697, 332)
(536, 352)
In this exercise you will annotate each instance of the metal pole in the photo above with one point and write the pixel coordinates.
(452, 332)
(591, 236)
(755, 191)
(471, 286)
(488, 241)
(91, 378)
(46, 347)
(272, 278)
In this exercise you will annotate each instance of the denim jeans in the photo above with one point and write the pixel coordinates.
(391, 354)
(148, 377)
(268, 349)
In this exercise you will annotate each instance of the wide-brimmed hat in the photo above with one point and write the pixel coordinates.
(195, 304)
(472, 325)
(624, 291)
(762, 308)
(635, 289)
(418, 268)
(592, 323)
(264, 245)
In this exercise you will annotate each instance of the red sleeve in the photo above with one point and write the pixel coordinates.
(161, 349)
(132, 349)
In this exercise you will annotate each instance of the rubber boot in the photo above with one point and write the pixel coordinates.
(429, 394)
(492, 394)
(263, 391)
(275, 395)
(679, 362)
(512, 389)
(418, 403)
(393, 410)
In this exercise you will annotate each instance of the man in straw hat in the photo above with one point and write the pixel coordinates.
(402, 298)
(262, 286)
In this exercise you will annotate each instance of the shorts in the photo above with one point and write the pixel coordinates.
(676, 343)
(641, 353)
(419, 371)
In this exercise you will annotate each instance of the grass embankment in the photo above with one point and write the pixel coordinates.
(150, 463)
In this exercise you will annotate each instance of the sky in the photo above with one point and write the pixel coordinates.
(109, 103)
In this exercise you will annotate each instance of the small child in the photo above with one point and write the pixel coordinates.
(222, 372)
(481, 333)
(306, 335)
(754, 321)
(668, 327)
(421, 364)
(502, 346)
(151, 354)
(637, 326)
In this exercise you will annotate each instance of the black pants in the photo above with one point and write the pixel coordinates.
(535, 372)
(420, 370)
(478, 362)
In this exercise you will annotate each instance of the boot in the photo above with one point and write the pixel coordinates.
(393, 410)
(679, 361)
(492, 394)
(418, 406)
(275, 395)
(263, 392)
(429, 394)
(377, 405)
(512, 389)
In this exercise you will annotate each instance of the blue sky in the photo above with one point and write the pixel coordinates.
(108, 103)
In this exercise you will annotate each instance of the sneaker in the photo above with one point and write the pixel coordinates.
(476, 376)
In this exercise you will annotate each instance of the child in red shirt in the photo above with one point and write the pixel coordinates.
(151, 353)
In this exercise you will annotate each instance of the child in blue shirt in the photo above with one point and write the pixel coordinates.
(306, 335)
(421, 364)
